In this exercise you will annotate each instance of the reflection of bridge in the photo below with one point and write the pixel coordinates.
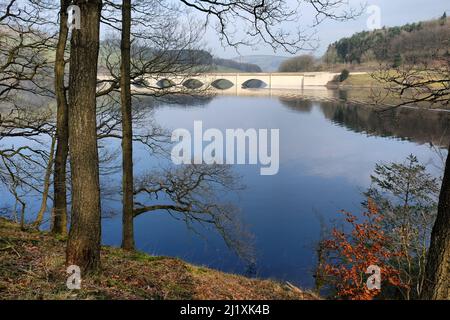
(240, 81)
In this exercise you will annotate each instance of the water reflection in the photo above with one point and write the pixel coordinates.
(414, 124)
(327, 152)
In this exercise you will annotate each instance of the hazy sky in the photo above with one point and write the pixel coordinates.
(392, 13)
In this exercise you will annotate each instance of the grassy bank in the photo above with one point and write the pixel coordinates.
(32, 267)
(360, 80)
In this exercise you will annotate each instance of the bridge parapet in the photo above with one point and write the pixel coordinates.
(278, 80)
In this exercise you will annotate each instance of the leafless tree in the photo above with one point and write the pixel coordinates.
(156, 48)
(427, 84)
(167, 50)
(24, 155)
(24, 66)
(259, 18)
(59, 223)
(83, 245)
(241, 22)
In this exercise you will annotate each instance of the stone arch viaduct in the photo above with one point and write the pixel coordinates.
(230, 82)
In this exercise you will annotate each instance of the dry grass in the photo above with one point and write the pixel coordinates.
(361, 80)
(32, 267)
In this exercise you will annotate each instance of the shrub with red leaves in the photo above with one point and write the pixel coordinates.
(350, 254)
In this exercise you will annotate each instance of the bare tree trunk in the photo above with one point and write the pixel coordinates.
(83, 245)
(48, 174)
(437, 283)
(127, 130)
(22, 214)
(59, 224)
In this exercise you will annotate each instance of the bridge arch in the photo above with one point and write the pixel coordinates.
(222, 84)
(193, 84)
(165, 83)
(254, 84)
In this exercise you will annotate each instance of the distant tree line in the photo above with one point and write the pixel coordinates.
(302, 63)
(203, 57)
(407, 43)
(245, 67)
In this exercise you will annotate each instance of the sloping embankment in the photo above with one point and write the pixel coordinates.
(32, 267)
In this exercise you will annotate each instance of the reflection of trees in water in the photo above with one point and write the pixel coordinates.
(417, 125)
(342, 94)
(190, 101)
(176, 100)
(299, 105)
(194, 194)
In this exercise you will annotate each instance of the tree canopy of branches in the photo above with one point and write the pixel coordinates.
(170, 48)
(167, 49)
(241, 22)
(426, 84)
(23, 47)
(25, 121)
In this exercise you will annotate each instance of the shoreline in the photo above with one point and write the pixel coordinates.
(38, 260)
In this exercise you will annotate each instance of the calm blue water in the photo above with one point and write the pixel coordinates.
(327, 153)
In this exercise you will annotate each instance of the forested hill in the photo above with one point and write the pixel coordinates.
(216, 64)
(422, 41)
(228, 64)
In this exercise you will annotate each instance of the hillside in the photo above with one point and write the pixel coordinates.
(268, 63)
(32, 267)
(190, 57)
(224, 65)
(423, 41)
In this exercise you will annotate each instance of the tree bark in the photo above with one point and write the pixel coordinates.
(83, 245)
(59, 225)
(127, 130)
(437, 283)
